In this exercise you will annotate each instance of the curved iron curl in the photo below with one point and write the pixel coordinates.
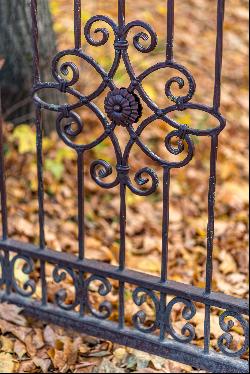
(141, 180)
(101, 169)
(182, 133)
(182, 136)
(136, 84)
(180, 100)
(105, 308)
(59, 275)
(63, 85)
(226, 339)
(188, 313)
(65, 69)
(29, 287)
(140, 297)
(65, 131)
(142, 36)
(193, 131)
(102, 30)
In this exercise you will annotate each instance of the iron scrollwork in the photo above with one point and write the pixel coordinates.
(29, 287)
(59, 275)
(124, 106)
(105, 287)
(226, 339)
(189, 311)
(140, 296)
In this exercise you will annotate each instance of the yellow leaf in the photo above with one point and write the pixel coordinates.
(161, 9)
(7, 364)
(26, 139)
(6, 344)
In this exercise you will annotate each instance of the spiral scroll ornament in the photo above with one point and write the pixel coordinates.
(140, 296)
(225, 340)
(189, 311)
(29, 287)
(142, 178)
(105, 308)
(60, 274)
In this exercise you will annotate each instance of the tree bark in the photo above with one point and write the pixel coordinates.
(16, 51)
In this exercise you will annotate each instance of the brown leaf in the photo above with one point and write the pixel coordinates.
(27, 367)
(32, 351)
(19, 331)
(228, 264)
(11, 313)
(38, 339)
(44, 364)
(49, 336)
(20, 349)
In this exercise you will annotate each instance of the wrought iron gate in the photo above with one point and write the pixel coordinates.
(124, 106)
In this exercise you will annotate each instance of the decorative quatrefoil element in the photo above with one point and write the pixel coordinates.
(123, 106)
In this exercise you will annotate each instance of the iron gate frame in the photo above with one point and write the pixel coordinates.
(123, 107)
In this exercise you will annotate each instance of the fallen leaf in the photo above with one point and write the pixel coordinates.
(19, 349)
(7, 363)
(11, 313)
(44, 364)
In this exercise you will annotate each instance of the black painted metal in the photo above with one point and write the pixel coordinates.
(124, 107)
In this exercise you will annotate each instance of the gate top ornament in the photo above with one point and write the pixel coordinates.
(124, 107)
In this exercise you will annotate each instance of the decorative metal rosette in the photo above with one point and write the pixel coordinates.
(122, 107)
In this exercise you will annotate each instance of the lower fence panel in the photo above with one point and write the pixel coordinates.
(92, 316)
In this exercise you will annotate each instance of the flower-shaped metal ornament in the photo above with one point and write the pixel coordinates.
(122, 107)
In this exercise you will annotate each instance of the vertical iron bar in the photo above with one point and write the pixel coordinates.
(210, 234)
(39, 147)
(165, 224)
(122, 259)
(123, 218)
(207, 329)
(4, 214)
(80, 166)
(212, 179)
(170, 30)
(36, 73)
(78, 23)
(219, 53)
(123, 208)
(80, 178)
(121, 12)
(165, 238)
(4, 210)
(39, 127)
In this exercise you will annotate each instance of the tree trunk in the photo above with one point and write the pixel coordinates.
(16, 51)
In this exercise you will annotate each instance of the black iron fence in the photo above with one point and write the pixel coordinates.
(124, 106)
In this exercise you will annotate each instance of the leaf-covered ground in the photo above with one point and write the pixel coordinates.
(26, 346)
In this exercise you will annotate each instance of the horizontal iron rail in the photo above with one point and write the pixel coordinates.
(170, 349)
(151, 282)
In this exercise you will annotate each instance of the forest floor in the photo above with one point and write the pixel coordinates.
(28, 346)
